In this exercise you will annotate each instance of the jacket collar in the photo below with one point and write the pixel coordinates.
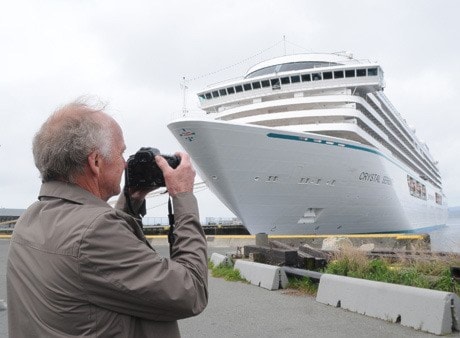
(70, 192)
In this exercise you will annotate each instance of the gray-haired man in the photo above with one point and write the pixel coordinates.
(77, 266)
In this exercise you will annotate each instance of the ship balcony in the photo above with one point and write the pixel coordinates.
(315, 119)
(343, 131)
(288, 106)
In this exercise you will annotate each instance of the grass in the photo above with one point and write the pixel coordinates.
(304, 285)
(226, 272)
(430, 272)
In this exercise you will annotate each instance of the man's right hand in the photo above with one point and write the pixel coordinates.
(180, 179)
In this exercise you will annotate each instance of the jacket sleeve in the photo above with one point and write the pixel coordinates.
(121, 273)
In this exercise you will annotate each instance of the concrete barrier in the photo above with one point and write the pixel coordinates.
(266, 276)
(218, 259)
(423, 309)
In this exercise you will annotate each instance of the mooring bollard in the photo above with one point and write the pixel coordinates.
(262, 239)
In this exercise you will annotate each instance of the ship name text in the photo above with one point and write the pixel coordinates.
(373, 177)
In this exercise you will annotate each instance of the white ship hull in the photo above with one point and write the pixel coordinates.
(284, 182)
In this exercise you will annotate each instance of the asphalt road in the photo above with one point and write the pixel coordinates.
(237, 309)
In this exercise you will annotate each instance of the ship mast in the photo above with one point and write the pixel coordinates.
(184, 97)
(284, 41)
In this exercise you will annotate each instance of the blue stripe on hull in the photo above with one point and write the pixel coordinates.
(331, 143)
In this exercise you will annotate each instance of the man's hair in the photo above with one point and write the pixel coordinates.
(62, 145)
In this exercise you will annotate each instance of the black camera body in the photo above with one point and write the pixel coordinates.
(142, 170)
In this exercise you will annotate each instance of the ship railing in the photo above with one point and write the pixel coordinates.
(189, 114)
(422, 147)
(410, 160)
(403, 143)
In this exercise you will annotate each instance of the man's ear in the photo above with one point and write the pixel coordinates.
(94, 163)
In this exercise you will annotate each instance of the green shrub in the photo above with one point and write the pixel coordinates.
(429, 272)
(226, 272)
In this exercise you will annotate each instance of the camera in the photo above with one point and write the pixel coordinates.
(142, 170)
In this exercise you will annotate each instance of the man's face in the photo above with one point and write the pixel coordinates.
(112, 168)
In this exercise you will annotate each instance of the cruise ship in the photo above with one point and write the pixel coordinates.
(309, 144)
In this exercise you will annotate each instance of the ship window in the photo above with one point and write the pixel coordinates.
(306, 77)
(295, 79)
(215, 93)
(316, 76)
(438, 198)
(285, 80)
(265, 83)
(231, 90)
(247, 86)
(416, 188)
(256, 85)
(372, 72)
(272, 179)
(239, 88)
(360, 72)
(222, 92)
(275, 82)
(202, 97)
(263, 71)
(327, 75)
(338, 74)
(287, 67)
(350, 73)
(208, 96)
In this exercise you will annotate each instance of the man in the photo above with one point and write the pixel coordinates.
(77, 266)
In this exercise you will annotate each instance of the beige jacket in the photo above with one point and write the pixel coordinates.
(78, 267)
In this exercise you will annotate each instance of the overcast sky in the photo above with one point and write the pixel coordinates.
(134, 54)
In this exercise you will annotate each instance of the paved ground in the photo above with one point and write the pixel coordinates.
(241, 310)
(4, 245)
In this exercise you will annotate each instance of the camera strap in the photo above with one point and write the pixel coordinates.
(171, 225)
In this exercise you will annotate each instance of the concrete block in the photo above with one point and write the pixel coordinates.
(266, 276)
(218, 259)
(336, 243)
(423, 309)
(271, 256)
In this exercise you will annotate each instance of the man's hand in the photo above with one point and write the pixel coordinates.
(180, 179)
(140, 194)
